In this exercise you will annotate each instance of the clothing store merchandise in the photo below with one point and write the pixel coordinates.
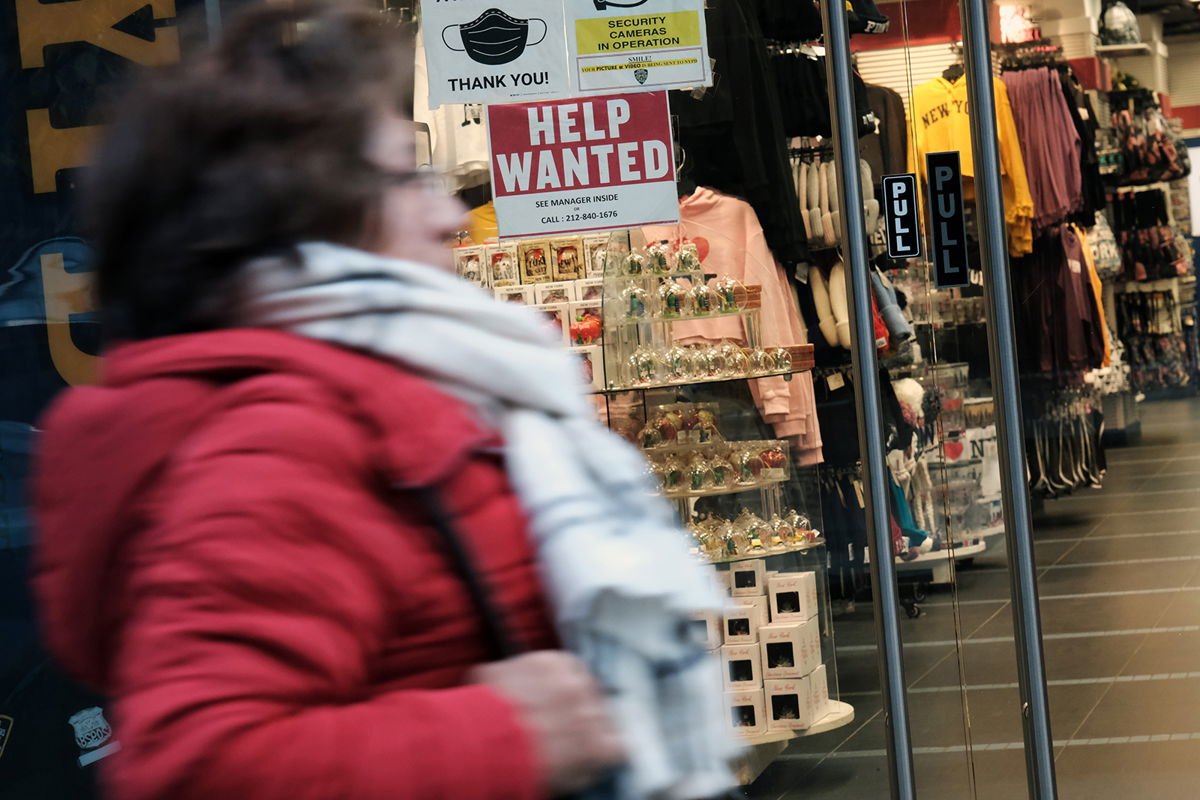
(801, 80)
(1097, 293)
(886, 151)
(482, 225)
(1150, 247)
(1049, 143)
(583, 487)
(1151, 150)
(1156, 348)
(458, 139)
(1087, 125)
(1059, 334)
(727, 231)
(1105, 251)
(732, 134)
(942, 124)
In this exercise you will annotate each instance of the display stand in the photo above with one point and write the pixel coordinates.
(686, 401)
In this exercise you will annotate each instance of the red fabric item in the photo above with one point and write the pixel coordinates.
(227, 548)
(881, 332)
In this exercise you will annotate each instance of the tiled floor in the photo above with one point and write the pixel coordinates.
(1119, 578)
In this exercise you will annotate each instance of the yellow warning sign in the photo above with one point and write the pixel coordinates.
(638, 33)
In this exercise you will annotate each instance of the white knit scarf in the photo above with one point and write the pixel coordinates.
(613, 556)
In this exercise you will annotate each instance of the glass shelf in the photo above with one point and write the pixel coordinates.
(656, 319)
(786, 374)
(798, 548)
(722, 490)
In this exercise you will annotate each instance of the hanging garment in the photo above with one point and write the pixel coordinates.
(458, 138)
(1050, 143)
(940, 109)
(1097, 293)
(731, 242)
(733, 134)
(887, 150)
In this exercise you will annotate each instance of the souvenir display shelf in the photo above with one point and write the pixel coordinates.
(682, 404)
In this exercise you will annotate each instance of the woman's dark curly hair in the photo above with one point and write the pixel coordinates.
(249, 148)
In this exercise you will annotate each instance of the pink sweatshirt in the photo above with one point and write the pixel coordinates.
(730, 241)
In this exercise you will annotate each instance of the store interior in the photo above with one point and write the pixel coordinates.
(722, 345)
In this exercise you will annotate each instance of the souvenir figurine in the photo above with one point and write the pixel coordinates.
(679, 366)
(707, 426)
(658, 258)
(761, 362)
(727, 301)
(568, 263)
(783, 359)
(535, 262)
(671, 299)
(756, 532)
(672, 474)
(703, 298)
(709, 363)
(688, 259)
(633, 300)
(635, 264)
(668, 424)
(748, 466)
(699, 474)
(649, 437)
(722, 472)
(782, 534)
(774, 461)
(734, 539)
(585, 329)
(643, 367)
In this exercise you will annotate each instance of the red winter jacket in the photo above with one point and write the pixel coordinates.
(227, 548)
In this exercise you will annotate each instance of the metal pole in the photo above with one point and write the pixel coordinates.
(1002, 347)
(871, 440)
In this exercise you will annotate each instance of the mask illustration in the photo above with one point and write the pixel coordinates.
(494, 37)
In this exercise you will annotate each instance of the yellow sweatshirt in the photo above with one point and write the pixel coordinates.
(939, 111)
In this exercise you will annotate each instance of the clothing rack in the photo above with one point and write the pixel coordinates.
(1036, 53)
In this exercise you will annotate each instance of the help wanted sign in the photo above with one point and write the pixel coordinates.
(593, 163)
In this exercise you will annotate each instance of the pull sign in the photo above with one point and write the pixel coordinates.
(947, 225)
(900, 213)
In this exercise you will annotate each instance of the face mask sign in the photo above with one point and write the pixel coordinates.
(494, 37)
(495, 51)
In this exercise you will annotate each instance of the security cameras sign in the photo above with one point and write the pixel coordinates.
(630, 44)
(494, 51)
(589, 164)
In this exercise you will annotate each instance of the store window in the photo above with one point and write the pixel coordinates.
(665, 189)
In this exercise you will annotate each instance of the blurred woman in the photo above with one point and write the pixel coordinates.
(280, 533)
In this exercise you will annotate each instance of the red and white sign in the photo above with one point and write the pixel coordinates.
(588, 164)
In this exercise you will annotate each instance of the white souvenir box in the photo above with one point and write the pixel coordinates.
(741, 667)
(749, 578)
(707, 628)
(742, 622)
(789, 705)
(793, 596)
(747, 712)
(789, 649)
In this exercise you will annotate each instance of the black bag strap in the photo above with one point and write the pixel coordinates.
(501, 644)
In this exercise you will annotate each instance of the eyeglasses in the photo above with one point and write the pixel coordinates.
(425, 179)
